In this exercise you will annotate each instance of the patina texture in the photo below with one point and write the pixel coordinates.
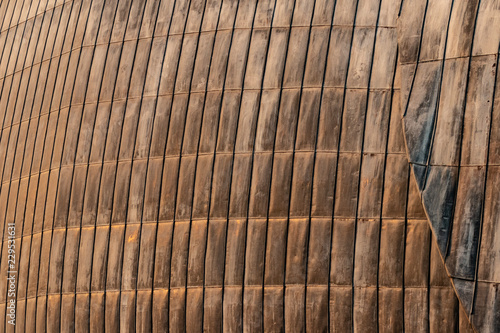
(449, 60)
(224, 165)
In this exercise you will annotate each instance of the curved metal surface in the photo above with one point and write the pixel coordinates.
(452, 109)
(211, 165)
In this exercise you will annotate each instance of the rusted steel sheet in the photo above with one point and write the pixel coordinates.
(223, 165)
(451, 123)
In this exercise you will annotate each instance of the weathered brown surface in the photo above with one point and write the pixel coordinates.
(213, 165)
(451, 104)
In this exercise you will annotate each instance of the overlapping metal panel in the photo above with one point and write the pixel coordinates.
(221, 165)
